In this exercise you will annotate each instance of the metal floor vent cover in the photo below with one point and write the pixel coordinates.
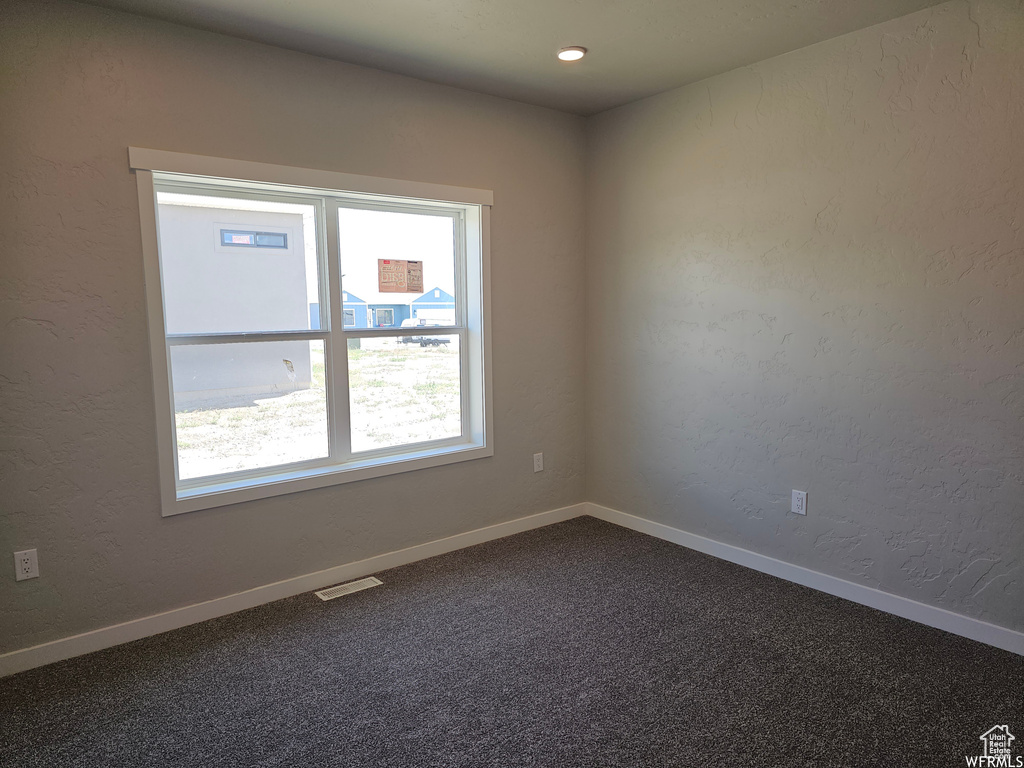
(347, 589)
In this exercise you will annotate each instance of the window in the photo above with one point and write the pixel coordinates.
(236, 238)
(264, 383)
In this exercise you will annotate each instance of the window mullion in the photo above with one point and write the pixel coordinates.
(198, 339)
(465, 381)
(461, 309)
(460, 269)
(337, 373)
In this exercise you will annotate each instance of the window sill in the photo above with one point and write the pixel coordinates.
(223, 493)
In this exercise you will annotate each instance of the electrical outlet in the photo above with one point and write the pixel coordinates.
(538, 462)
(799, 503)
(26, 565)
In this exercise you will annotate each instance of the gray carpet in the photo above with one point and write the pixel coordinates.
(580, 644)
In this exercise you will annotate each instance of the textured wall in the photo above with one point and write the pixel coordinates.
(809, 273)
(78, 474)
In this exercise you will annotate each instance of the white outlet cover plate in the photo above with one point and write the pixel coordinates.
(538, 462)
(26, 565)
(799, 506)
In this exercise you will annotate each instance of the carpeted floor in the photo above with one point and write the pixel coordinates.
(580, 644)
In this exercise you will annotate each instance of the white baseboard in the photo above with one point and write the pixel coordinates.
(77, 645)
(87, 642)
(983, 632)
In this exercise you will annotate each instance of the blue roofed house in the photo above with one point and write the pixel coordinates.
(391, 309)
(388, 310)
(389, 314)
(435, 304)
(354, 309)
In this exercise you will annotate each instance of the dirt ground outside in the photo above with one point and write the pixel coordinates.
(398, 394)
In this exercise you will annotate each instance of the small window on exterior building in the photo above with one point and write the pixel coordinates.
(248, 239)
(385, 317)
(350, 317)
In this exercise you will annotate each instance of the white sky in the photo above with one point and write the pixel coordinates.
(366, 236)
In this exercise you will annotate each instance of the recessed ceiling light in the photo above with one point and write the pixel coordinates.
(572, 53)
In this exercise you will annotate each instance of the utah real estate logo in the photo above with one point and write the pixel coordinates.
(997, 746)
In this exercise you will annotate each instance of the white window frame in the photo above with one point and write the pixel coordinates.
(376, 313)
(471, 209)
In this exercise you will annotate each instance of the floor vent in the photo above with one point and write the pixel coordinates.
(347, 589)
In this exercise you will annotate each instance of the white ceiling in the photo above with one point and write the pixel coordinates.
(507, 47)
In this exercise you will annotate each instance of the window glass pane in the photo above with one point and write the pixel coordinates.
(271, 240)
(398, 266)
(234, 265)
(404, 390)
(230, 237)
(248, 406)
